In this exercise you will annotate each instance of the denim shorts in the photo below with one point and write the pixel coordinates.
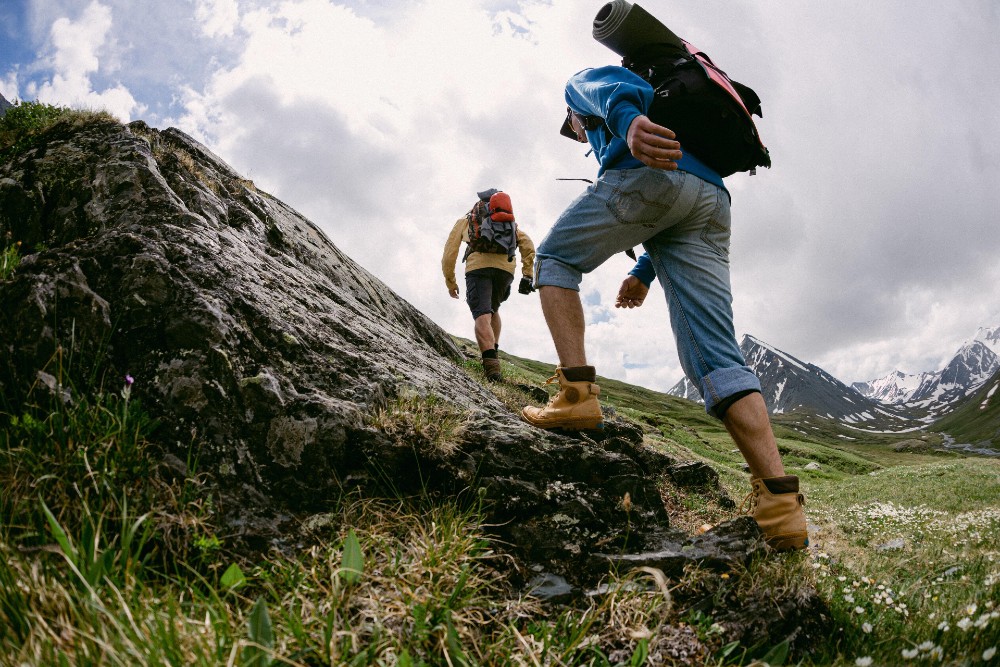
(486, 289)
(683, 222)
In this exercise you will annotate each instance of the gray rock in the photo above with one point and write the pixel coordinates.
(894, 544)
(256, 342)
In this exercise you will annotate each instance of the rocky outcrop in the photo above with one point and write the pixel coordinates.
(292, 372)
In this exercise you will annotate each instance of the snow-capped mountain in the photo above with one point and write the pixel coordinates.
(893, 402)
(896, 387)
(990, 337)
(789, 384)
(937, 392)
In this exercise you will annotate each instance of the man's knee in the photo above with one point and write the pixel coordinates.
(550, 272)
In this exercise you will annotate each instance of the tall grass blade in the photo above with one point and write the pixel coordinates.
(261, 634)
(777, 655)
(352, 565)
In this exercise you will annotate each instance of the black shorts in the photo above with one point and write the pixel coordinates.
(486, 289)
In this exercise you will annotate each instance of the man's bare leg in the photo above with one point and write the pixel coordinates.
(777, 507)
(748, 424)
(563, 312)
(495, 325)
(484, 332)
(576, 405)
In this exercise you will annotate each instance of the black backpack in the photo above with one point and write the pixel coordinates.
(709, 112)
(491, 225)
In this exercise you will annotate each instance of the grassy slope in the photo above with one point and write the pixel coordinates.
(904, 537)
(978, 420)
(127, 567)
(904, 555)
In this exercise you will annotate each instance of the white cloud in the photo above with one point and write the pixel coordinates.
(870, 245)
(76, 49)
(8, 86)
(218, 18)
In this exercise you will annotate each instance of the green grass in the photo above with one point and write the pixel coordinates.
(104, 561)
(10, 257)
(905, 544)
(978, 420)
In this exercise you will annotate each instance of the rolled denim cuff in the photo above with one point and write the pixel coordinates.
(550, 271)
(722, 383)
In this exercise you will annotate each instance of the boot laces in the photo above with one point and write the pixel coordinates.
(750, 502)
(552, 380)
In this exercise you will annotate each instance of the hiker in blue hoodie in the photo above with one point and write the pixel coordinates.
(650, 192)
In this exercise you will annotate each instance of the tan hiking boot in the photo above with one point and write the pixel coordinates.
(574, 407)
(491, 367)
(776, 506)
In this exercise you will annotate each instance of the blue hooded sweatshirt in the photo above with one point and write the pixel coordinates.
(618, 96)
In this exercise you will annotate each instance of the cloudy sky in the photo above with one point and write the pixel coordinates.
(871, 245)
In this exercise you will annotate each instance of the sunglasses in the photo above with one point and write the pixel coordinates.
(585, 123)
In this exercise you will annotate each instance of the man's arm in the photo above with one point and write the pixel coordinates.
(450, 256)
(527, 250)
(622, 99)
(632, 293)
(652, 144)
(635, 287)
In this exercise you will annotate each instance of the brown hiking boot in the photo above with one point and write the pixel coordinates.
(574, 407)
(776, 506)
(492, 369)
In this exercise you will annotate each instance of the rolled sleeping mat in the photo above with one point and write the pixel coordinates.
(627, 28)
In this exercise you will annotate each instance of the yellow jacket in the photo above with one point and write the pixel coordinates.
(483, 260)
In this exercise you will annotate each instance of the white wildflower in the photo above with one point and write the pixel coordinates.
(926, 646)
(863, 662)
(910, 653)
(860, 610)
(965, 623)
(866, 627)
(989, 653)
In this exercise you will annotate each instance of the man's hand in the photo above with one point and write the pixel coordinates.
(525, 286)
(653, 144)
(453, 292)
(632, 293)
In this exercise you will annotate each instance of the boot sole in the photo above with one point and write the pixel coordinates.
(572, 424)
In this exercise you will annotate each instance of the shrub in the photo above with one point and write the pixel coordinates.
(25, 122)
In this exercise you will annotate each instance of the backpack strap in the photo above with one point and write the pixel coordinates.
(473, 219)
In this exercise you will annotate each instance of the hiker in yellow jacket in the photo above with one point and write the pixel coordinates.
(492, 237)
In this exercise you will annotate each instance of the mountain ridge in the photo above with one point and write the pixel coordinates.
(896, 402)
